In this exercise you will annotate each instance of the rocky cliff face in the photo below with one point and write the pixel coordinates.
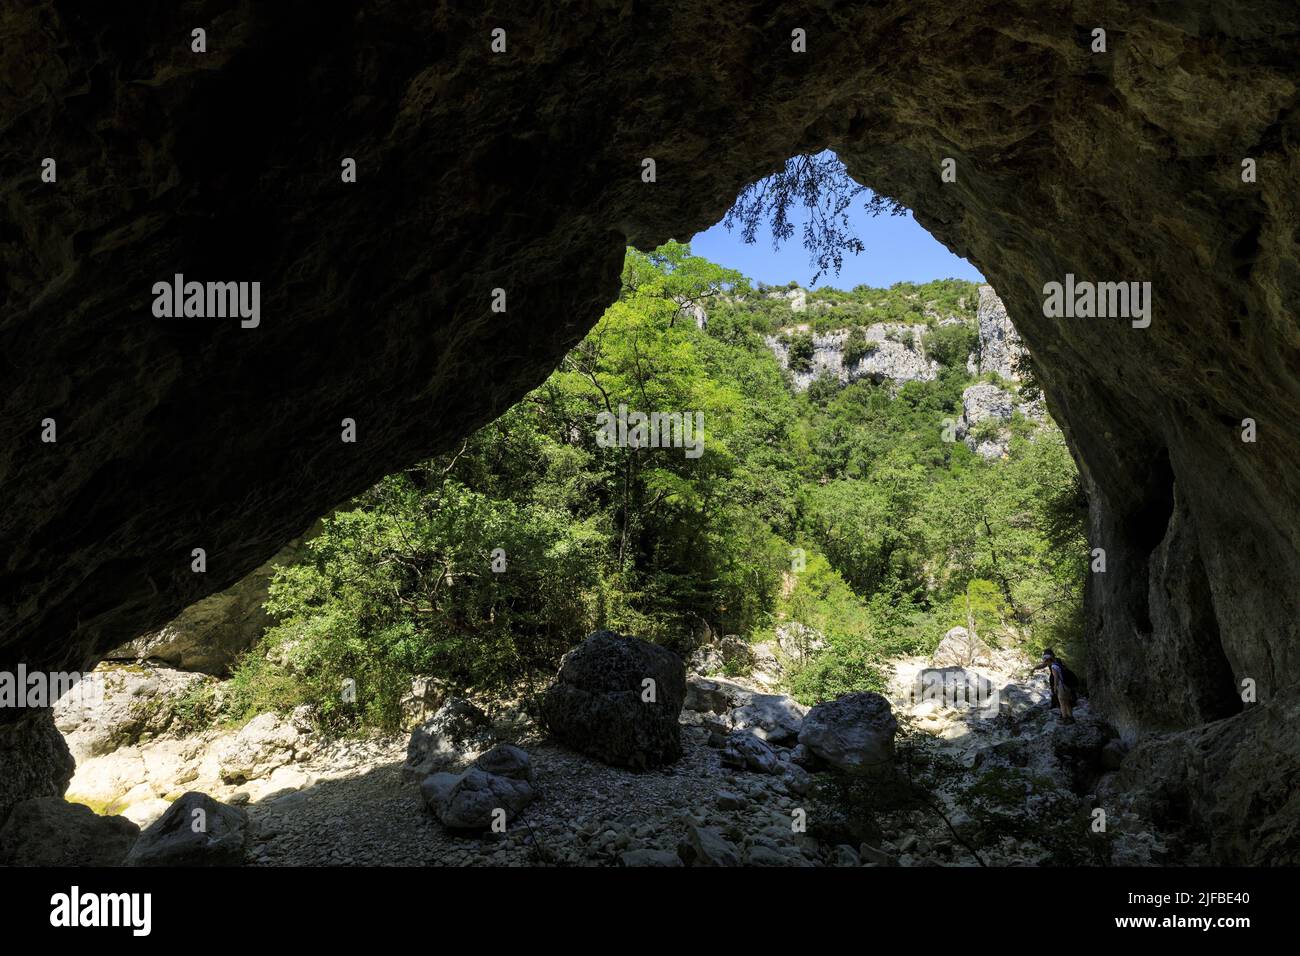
(210, 634)
(523, 171)
(896, 357)
(1000, 347)
(985, 402)
(898, 354)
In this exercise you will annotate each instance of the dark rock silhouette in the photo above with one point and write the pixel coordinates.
(618, 699)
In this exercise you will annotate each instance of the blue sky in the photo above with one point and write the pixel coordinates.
(897, 250)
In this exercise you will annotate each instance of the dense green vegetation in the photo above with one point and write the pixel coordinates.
(768, 310)
(842, 508)
(950, 344)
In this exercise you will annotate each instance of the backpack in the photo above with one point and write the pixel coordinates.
(1070, 678)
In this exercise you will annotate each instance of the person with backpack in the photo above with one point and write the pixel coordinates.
(1063, 683)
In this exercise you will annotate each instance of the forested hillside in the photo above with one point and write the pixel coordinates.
(852, 509)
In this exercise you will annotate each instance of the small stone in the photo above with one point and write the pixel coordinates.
(726, 800)
(705, 846)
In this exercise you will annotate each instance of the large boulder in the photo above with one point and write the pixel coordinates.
(744, 751)
(854, 732)
(34, 760)
(602, 705)
(49, 831)
(715, 695)
(506, 760)
(112, 781)
(426, 696)
(500, 779)
(707, 696)
(141, 773)
(457, 728)
(195, 831)
(266, 742)
(938, 689)
(115, 707)
(766, 669)
(961, 648)
(706, 659)
(773, 717)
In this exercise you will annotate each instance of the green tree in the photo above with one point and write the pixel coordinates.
(801, 351)
(483, 565)
(951, 345)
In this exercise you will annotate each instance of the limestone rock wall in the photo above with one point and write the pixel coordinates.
(897, 356)
(999, 342)
(209, 635)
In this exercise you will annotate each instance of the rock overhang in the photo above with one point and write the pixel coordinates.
(523, 172)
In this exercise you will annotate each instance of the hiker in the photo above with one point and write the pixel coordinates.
(1062, 682)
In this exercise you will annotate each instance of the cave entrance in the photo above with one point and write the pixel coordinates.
(939, 489)
(784, 481)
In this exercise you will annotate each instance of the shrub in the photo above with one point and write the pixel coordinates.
(802, 350)
(951, 345)
(857, 346)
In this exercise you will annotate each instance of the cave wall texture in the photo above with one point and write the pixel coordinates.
(523, 171)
